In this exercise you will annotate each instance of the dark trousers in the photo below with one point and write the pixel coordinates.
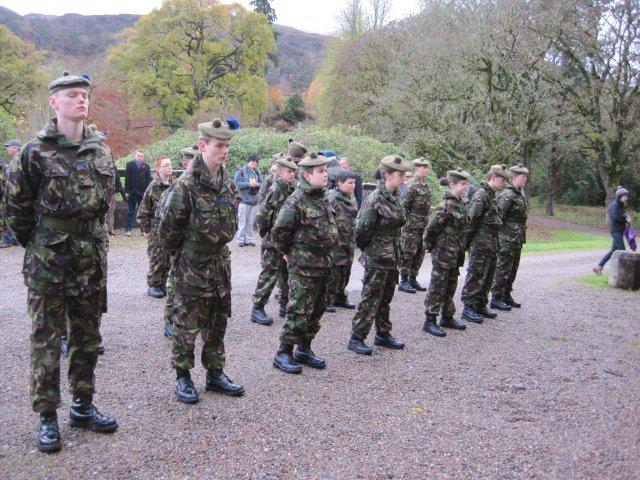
(618, 244)
(133, 201)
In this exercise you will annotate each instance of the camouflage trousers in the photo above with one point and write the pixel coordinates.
(477, 283)
(274, 270)
(339, 279)
(378, 288)
(411, 251)
(506, 268)
(193, 315)
(307, 302)
(159, 264)
(52, 318)
(442, 288)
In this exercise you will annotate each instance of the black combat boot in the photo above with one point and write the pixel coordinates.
(64, 347)
(101, 349)
(485, 312)
(49, 433)
(385, 339)
(450, 322)
(413, 281)
(282, 310)
(217, 381)
(185, 391)
(285, 361)
(168, 329)
(343, 302)
(470, 315)
(155, 292)
(304, 354)
(511, 302)
(330, 308)
(83, 414)
(164, 289)
(499, 304)
(357, 345)
(430, 326)
(405, 285)
(259, 316)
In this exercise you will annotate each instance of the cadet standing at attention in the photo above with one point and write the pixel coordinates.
(482, 243)
(345, 209)
(197, 220)
(378, 227)
(188, 155)
(274, 268)
(305, 232)
(416, 201)
(513, 213)
(445, 238)
(159, 259)
(56, 202)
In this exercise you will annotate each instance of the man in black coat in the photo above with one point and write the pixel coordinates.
(137, 178)
(618, 221)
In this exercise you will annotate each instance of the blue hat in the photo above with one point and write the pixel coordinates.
(13, 143)
(327, 153)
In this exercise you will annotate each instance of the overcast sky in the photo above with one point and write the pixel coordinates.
(307, 15)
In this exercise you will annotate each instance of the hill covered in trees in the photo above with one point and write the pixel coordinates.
(299, 53)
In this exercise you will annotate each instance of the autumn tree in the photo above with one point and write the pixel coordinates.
(19, 71)
(195, 55)
(265, 8)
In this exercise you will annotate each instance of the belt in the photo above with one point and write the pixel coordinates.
(68, 225)
(202, 247)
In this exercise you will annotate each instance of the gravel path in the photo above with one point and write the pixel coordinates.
(548, 391)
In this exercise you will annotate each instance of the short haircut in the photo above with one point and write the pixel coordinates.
(158, 160)
(344, 175)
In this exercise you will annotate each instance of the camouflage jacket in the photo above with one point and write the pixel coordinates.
(345, 211)
(267, 182)
(198, 217)
(148, 211)
(378, 227)
(446, 233)
(484, 219)
(305, 231)
(278, 193)
(417, 201)
(513, 213)
(59, 180)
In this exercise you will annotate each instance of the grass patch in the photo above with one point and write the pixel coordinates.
(565, 241)
(601, 281)
(584, 215)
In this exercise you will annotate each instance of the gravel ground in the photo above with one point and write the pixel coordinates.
(548, 391)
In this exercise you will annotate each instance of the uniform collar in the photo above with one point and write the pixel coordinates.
(306, 188)
(90, 141)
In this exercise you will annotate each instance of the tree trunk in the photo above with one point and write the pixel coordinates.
(554, 180)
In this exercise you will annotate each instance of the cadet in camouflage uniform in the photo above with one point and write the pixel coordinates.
(269, 179)
(159, 259)
(445, 237)
(188, 155)
(378, 227)
(345, 210)
(513, 213)
(56, 202)
(274, 268)
(482, 241)
(417, 201)
(305, 232)
(197, 220)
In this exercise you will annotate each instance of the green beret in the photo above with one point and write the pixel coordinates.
(68, 81)
(500, 170)
(313, 160)
(296, 149)
(396, 162)
(190, 152)
(216, 129)
(518, 169)
(286, 162)
(421, 162)
(458, 174)
(277, 156)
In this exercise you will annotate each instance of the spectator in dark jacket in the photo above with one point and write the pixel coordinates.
(248, 180)
(137, 178)
(345, 164)
(618, 220)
